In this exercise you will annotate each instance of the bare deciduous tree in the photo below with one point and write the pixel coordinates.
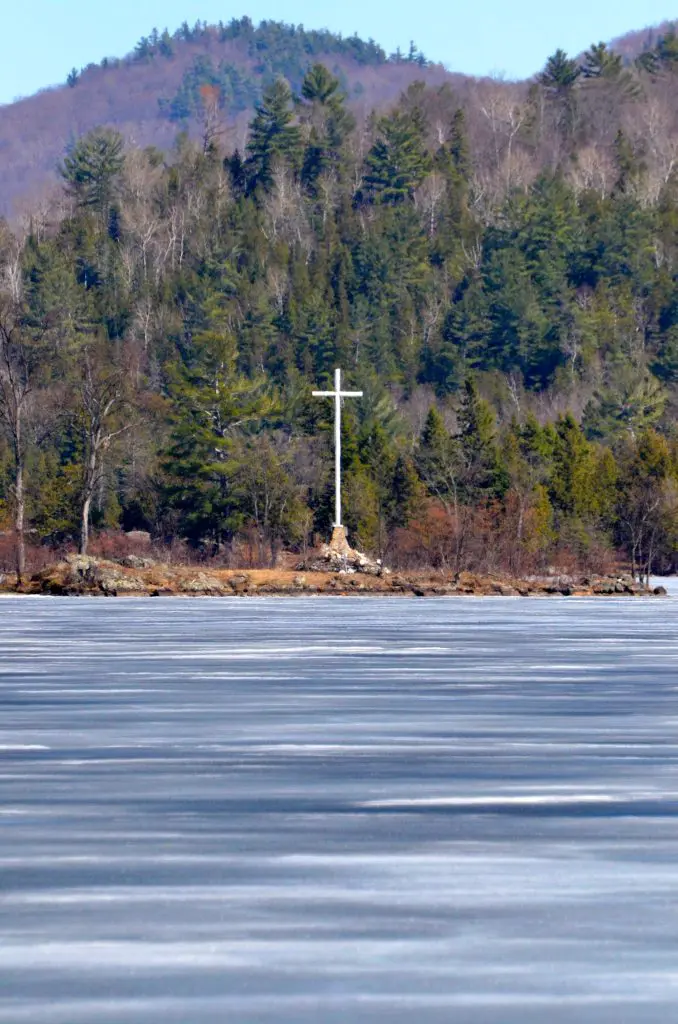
(16, 371)
(101, 391)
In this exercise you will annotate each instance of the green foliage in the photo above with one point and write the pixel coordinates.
(213, 406)
(632, 403)
(327, 123)
(165, 45)
(285, 49)
(267, 495)
(600, 62)
(483, 475)
(664, 56)
(647, 500)
(274, 139)
(629, 166)
(92, 168)
(438, 459)
(560, 74)
(604, 67)
(458, 146)
(222, 287)
(577, 489)
(268, 51)
(237, 91)
(398, 161)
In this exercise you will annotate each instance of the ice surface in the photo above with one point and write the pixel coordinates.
(338, 810)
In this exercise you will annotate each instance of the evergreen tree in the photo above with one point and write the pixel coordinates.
(558, 81)
(560, 74)
(573, 484)
(212, 406)
(600, 62)
(92, 169)
(408, 494)
(603, 67)
(667, 51)
(327, 121)
(483, 477)
(438, 460)
(633, 402)
(663, 57)
(273, 137)
(398, 161)
(458, 145)
(414, 257)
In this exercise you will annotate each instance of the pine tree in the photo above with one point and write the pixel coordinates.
(572, 486)
(408, 492)
(483, 476)
(458, 145)
(327, 123)
(92, 169)
(212, 405)
(558, 81)
(438, 459)
(667, 51)
(274, 138)
(560, 74)
(601, 62)
(398, 160)
(603, 68)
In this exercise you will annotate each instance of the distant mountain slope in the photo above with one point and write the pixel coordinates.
(152, 94)
(155, 92)
(632, 44)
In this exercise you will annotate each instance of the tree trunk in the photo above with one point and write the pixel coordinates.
(19, 517)
(84, 525)
(87, 495)
(634, 545)
(89, 487)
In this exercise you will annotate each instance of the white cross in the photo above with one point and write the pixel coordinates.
(337, 395)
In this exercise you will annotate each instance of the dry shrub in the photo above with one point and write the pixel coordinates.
(246, 551)
(37, 555)
(112, 544)
(427, 542)
(499, 538)
(476, 540)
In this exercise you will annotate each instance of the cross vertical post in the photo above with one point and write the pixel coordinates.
(337, 448)
(337, 395)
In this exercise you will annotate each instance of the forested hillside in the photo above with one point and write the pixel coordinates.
(496, 270)
(154, 92)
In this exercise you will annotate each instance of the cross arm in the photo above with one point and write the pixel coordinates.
(350, 394)
(323, 394)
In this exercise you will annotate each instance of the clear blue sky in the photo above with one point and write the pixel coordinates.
(45, 38)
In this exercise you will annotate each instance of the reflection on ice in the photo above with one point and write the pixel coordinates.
(330, 811)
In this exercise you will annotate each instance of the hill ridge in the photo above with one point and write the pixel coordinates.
(152, 92)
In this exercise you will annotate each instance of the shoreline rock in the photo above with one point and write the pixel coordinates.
(338, 556)
(84, 575)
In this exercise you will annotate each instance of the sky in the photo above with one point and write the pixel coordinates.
(44, 39)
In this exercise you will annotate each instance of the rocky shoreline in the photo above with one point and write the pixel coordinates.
(139, 577)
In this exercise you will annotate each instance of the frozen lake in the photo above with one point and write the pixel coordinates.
(313, 811)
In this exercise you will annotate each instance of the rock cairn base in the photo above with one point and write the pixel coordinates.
(339, 557)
